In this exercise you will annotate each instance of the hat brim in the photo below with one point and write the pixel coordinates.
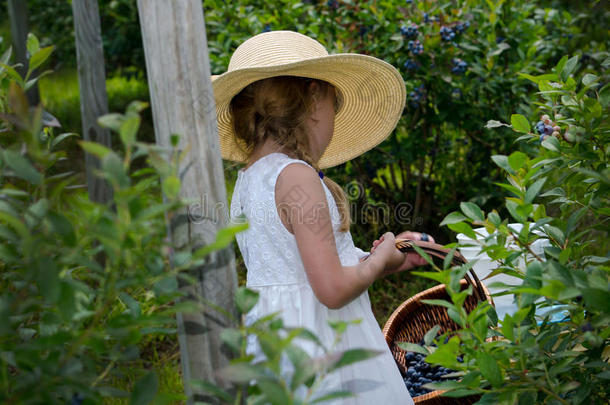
(373, 94)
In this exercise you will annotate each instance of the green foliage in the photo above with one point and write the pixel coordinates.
(82, 283)
(558, 190)
(287, 374)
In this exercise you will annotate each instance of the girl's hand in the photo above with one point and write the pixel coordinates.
(387, 254)
(410, 260)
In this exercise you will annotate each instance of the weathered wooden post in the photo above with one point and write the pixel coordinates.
(182, 98)
(92, 86)
(18, 14)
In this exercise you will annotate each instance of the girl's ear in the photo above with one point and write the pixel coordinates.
(314, 88)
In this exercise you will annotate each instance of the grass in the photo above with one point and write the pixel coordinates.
(160, 355)
(60, 95)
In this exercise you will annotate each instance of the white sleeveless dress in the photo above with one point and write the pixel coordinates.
(275, 270)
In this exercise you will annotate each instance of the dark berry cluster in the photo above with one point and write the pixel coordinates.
(428, 19)
(420, 373)
(334, 4)
(447, 33)
(460, 27)
(417, 95)
(410, 64)
(410, 31)
(416, 47)
(459, 66)
(545, 128)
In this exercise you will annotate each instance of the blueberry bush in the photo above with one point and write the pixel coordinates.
(287, 374)
(460, 61)
(82, 284)
(555, 347)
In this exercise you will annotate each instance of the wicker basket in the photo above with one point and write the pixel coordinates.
(412, 319)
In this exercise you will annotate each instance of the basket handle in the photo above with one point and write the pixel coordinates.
(434, 249)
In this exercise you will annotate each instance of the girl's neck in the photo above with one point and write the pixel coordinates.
(268, 147)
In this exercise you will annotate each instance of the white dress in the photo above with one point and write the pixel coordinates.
(276, 271)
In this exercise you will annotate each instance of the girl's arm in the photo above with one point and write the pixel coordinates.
(303, 208)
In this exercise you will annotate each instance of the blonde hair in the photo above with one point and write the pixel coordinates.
(278, 107)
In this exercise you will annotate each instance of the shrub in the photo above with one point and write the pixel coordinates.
(537, 356)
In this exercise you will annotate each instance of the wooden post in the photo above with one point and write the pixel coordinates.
(182, 98)
(92, 86)
(18, 14)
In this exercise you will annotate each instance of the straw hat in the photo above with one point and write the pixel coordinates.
(372, 90)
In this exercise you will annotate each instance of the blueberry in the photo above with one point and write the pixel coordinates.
(267, 28)
(447, 33)
(426, 18)
(334, 4)
(410, 64)
(416, 47)
(459, 66)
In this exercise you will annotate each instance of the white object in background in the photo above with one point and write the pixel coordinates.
(484, 265)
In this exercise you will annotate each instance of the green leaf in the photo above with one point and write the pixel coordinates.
(129, 129)
(589, 79)
(453, 218)
(58, 139)
(442, 303)
(39, 57)
(352, 356)
(551, 143)
(114, 168)
(495, 124)
(233, 338)
(274, 391)
(223, 237)
(519, 123)
(502, 162)
(245, 299)
(412, 347)
(431, 335)
(111, 121)
(445, 354)
(208, 387)
(513, 209)
(534, 189)
(489, 368)
(32, 44)
(132, 305)
(22, 167)
(333, 395)
(242, 372)
(516, 160)
(48, 279)
(171, 186)
(303, 369)
(597, 299)
(145, 390)
(95, 148)
(569, 68)
(472, 211)
(462, 227)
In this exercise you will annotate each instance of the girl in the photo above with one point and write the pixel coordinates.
(288, 109)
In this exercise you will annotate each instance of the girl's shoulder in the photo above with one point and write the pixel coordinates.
(270, 165)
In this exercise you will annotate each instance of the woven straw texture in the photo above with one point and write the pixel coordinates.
(373, 91)
(410, 322)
